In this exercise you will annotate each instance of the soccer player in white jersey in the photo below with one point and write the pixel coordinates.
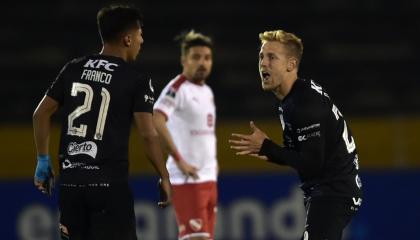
(185, 118)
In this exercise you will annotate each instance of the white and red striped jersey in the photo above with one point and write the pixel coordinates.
(191, 118)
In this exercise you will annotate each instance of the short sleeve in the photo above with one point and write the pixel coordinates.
(56, 90)
(144, 97)
(169, 100)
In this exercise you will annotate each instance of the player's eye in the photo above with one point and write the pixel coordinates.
(196, 57)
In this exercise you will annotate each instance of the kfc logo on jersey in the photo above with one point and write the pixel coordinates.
(100, 63)
(88, 148)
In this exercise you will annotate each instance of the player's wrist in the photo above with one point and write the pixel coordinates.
(43, 167)
(43, 158)
(177, 156)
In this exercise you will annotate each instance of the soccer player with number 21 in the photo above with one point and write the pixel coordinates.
(100, 96)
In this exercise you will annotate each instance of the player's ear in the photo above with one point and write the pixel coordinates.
(291, 64)
(127, 40)
(183, 59)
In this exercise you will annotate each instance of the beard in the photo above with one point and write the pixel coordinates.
(201, 74)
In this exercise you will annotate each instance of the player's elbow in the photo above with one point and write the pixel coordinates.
(159, 120)
(150, 136)
(37, 115)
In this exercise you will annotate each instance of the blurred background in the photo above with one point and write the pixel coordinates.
(364, 53)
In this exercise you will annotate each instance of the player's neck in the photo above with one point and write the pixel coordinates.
(284, 88)
(110, 50)
(199, 82)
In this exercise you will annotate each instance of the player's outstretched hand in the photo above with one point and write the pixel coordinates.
(44, 175)
(165, 195)
(248, 144)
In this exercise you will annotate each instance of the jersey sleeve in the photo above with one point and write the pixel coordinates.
(169, 100)
(56, 90)
(307, 154)
(144, 97)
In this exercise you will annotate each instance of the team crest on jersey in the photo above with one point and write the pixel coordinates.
(88, 148)
(171, 93)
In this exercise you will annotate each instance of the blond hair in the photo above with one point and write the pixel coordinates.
(290, 40)
(192, 39)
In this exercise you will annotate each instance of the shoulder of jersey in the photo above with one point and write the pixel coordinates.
(310, 93)
(175, 85)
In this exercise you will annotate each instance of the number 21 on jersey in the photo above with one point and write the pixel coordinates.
(86, 107)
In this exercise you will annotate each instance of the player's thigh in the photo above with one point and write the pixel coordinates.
(190, 202)
(326, 218)
(112, 213)
(73, 214)
(212, 207)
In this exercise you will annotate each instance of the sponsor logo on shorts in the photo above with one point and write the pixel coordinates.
(88, 148)
(196, 224)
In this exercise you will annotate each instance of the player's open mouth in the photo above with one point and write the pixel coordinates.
(265, 75)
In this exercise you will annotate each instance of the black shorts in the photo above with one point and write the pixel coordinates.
(328, 216)
(97, 212)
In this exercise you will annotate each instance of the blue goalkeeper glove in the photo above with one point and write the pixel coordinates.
(44, 176)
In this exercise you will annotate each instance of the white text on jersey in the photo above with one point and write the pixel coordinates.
(96, 76)
(100, 63)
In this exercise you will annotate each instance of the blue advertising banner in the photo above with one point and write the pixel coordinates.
(258, 207)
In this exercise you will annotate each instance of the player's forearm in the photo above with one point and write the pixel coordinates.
(275, 153)
(155, 156)
(165, 136)
(149, 135)
(309, 159)
(41, 125)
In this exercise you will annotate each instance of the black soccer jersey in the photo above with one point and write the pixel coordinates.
(99, 95)
(317, 142)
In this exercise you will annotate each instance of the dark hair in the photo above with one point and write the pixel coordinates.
(114, 20)
(192, 39)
